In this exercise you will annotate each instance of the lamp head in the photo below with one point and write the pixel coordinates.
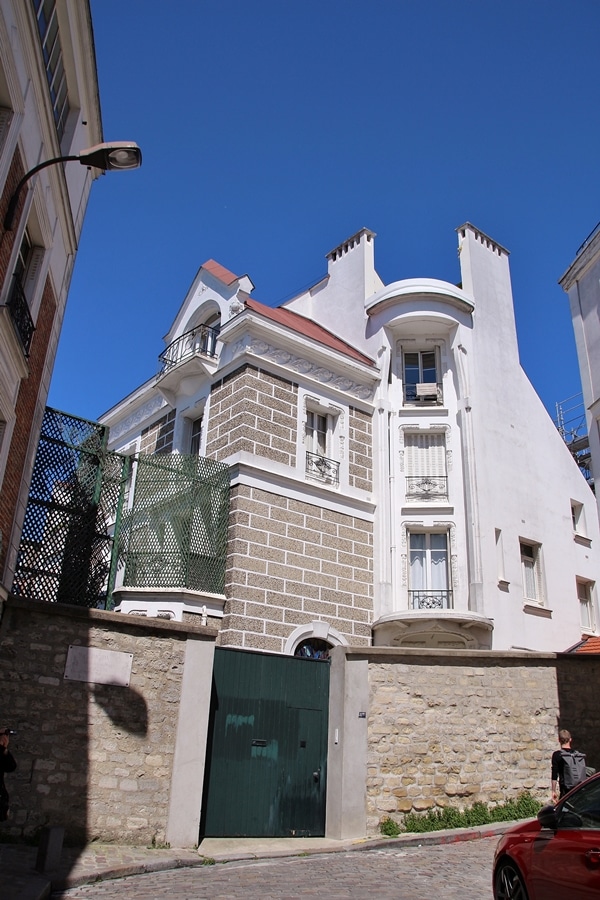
(112, 156)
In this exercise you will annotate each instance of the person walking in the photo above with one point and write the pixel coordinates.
(568, 766)
(7, 764)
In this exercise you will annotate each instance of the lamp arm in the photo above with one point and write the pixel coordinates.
(14, 200)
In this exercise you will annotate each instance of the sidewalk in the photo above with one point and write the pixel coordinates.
(20, 881)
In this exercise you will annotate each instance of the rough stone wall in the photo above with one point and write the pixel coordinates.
(451, 731)
(291, 563)
(95, 758)
(254, 411)
(360, 449)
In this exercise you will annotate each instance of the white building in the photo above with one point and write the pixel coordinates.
(49, 107)
(395, 479)
(581, 281)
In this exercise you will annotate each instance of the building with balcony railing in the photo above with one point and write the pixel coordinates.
(49, 107)
(382, 484)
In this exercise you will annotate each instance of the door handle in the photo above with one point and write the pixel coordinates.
(593, 856)
(317, 776)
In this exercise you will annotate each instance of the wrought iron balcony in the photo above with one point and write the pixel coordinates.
(424, 394)
(20, 315)
(430, 599)
(322, 469)
(199, 341)
(426, 487)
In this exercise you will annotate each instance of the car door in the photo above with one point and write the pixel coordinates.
(566, 862)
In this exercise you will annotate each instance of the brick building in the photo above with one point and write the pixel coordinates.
(394, 477)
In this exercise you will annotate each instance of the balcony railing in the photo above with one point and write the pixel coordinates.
(424, 394)
(322, 469)
(20, 315)
(201, 340)
(430, 599)
(426, 487)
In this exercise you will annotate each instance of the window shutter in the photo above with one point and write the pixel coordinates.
(32, 274)
(5, 120)
(425, 454)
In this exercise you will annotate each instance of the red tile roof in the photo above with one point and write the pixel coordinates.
(589, 645)
(308, 328)
(219, 271)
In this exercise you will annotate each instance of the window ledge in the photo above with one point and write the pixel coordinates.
(536, 609)
(582, 539)
(417, 410)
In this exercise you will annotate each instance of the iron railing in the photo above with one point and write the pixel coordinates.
(322, 469)
(416, 394)
(20, 315)
(430, 599)
(426, 487)
(201, 340)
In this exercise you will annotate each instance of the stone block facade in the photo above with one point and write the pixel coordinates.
(450, 730)
(291, 563)
(254, 411)
(95, 758)
(158, 437)
(360, 449)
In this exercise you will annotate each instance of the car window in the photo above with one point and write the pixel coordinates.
(582, 809)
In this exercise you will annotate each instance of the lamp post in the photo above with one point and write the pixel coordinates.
(110, 156)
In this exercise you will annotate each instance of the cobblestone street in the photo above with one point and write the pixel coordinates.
(459, 871)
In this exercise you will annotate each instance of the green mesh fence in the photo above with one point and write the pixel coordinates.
(175, 534)
(66, 546)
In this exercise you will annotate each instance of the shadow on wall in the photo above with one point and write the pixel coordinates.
(578, 682)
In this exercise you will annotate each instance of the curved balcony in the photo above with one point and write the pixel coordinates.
(430, 624)
(187, 356)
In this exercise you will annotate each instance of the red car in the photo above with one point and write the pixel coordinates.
(557, 855)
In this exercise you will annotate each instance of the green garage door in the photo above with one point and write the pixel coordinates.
(267, 750)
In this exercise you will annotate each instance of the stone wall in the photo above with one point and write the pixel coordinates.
(449, 728)
(254, 411)
(96, 758)
(158, 437)
(290, 564)
(360, 449)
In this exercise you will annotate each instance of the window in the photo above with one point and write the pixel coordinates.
(17, 301)
(425, 466)
(577, 517)
(47, 21)
(428, 580)
(421, 381)
(531, 571)
(586, 608)
(196, 437)
(319, 435)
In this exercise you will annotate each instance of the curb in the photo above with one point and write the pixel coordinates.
(427, 839)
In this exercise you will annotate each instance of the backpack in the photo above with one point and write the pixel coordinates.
(574, 768)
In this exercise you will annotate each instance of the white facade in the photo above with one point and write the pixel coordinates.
(39, 43)
(387, 436)
(581, 281)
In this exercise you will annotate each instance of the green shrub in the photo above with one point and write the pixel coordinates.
(524, 807)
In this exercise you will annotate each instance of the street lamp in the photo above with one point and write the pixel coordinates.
(107, 157)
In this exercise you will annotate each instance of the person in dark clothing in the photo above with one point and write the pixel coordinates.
(7, 764)
(559, 789)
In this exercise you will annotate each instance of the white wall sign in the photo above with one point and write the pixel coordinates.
(98, 666)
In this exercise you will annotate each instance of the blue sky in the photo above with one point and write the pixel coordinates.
(272, 130)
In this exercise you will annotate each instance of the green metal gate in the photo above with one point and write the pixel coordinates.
(267, 749)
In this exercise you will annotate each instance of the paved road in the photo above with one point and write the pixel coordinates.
(444, 872)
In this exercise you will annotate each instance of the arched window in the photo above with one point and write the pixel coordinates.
(313, 648)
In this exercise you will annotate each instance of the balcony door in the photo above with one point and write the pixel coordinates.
(429, 583)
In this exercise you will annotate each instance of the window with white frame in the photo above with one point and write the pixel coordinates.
(586, 607)
(47, 22)
(319, 433)
(421, 377)
(425, 466)
(531, 570)
(577, 517)
(429, 574)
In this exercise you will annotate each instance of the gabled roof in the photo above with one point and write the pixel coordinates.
(307, 328)
(219, 271)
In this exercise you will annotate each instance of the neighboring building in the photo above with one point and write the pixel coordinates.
(395, 479)
(49, 107)
(581, 281)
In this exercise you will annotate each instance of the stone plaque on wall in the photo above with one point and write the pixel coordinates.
(98, 666)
